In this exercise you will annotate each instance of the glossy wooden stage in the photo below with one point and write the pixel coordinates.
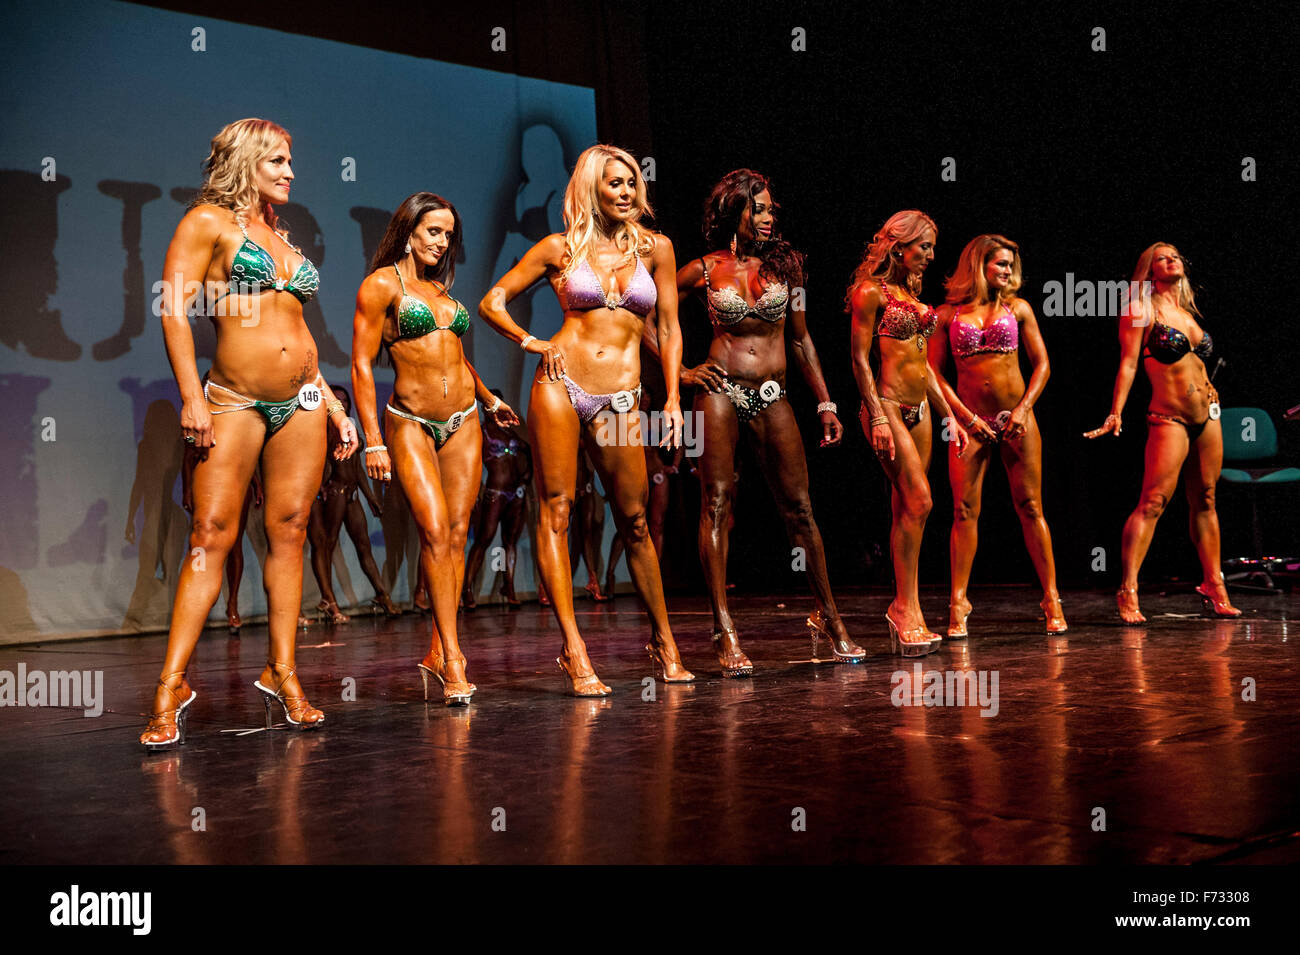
(1147, 725)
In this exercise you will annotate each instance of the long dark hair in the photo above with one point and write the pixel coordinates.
(723, 208)
(392, 247)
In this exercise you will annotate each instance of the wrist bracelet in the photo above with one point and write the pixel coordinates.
(494, 406)
(830, 406)
(332, 407)
(882, 419)
(376, 447)
(527, 338)
(971, 423)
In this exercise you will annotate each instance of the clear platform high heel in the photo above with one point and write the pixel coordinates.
(454, 693)
(908, 643)
(734, 664)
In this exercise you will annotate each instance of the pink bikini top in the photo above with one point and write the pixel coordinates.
(582, 291)
(1000, 335)
(901, 319)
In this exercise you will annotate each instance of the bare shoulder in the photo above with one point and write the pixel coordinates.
(380, 286)
(207, 221)
(1021, 309)
(866, 296)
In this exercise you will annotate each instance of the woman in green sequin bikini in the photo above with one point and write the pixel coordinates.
(265, 364)
(435, 443)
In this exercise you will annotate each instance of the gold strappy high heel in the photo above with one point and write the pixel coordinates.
(298, 713)
(167, 728)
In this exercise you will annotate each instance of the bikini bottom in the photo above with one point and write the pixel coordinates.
(440, 431)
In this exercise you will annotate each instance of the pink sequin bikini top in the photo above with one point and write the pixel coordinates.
(901, 319)
(582, 291)
(1000, 335)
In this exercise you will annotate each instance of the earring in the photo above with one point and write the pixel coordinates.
(408, 248)
(734, 243)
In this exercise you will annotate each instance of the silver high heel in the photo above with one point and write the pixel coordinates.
(159, 722)
(816, 624)
(296, 708)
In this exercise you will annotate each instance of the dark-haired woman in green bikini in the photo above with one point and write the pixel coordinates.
(434, 443)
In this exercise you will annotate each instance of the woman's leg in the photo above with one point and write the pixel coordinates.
(781, 456)
(461, 464)
(1165, 452)
(621, 466)
(292, 462)
(910, 502)
(1204, 462)
(332, 512)
(354, 520)
(489, 518)
(221, 479)
(966, 474)
(717, 470)
(512, 526)
(1023, 459)
(553, 430)
(235, 566)
(416, 466)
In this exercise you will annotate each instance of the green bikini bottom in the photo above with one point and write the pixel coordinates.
(276, 413)
(440, 431)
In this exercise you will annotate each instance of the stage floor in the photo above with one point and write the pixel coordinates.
(803, 763)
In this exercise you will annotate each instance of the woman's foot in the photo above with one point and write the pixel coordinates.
(385, 603)
(593, 590)
(167, 717)
(331, 610)
(580, 673)
(1215, 601)
(233, 620)
(279, 684)
(1126, 599)
(958, 610)
(456, 689)
(665, 658)
(1054, 614)
(734, 663)
(843, 649)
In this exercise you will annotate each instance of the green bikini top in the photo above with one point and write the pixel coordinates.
(415, 318)
(253, 270)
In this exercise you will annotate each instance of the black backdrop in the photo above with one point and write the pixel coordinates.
(1083, 157)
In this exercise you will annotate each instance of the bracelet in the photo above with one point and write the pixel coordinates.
(971, 423)
(494, 406)
(830, 406)
(376, 447)
(527, 338)
(332, 407)
(882, 419)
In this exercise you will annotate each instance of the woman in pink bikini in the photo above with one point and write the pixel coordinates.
(895, 413)
(982, 327)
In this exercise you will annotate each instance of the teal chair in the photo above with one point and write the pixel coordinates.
(1249, 437)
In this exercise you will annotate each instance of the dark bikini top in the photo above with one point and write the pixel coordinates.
(582, 291)
(253, 270)
(902, 319)
(1167, 344)
(728, 307)
(415, 319)
(497, 448)
(1000, 335)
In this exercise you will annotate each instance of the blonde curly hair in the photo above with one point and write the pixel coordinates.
(228, 172)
